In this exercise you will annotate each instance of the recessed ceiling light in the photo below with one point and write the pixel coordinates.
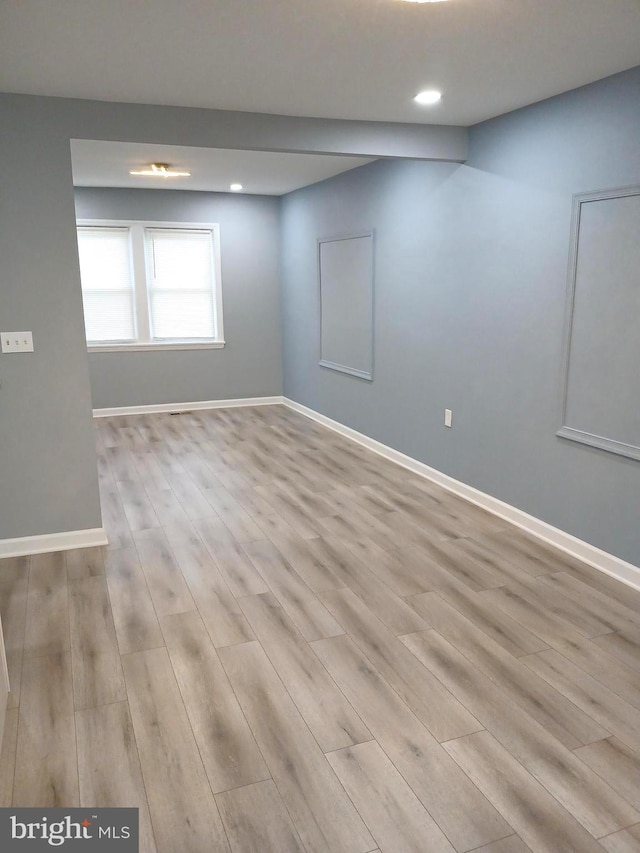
(424, 1)
(429, 96)
(160, 170)
(235, 188)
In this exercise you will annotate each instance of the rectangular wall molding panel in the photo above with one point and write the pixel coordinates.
(345, 275)
(601, 385)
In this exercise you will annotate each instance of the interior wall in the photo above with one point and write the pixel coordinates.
(47, 458)
(470, 285)
(250, 365)
(478, 252)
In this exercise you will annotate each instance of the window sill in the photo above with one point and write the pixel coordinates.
(155, 346)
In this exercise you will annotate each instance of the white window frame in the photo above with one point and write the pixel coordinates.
(137, 243)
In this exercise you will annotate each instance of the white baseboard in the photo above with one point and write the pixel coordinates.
(26, 545)
(186, 407)
(598, 559)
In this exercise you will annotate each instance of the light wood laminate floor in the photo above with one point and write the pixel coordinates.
(291, 644)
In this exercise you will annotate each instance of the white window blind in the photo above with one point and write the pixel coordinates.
(181, 283)
(107, 283)
(151, 285)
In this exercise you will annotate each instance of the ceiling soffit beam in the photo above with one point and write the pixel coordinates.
(204, 128)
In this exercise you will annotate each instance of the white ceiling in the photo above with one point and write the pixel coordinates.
(107, 164)
(360, 59)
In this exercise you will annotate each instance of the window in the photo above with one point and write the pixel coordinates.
(149, 285)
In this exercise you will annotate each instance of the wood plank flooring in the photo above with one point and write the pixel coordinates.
(291, 645)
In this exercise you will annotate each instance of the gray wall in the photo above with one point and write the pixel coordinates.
(471, 284)
(471, 273)
(250, 365)
(47, 461)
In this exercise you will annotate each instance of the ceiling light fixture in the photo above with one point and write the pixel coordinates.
(160, 170)
(235, 188)
(424, 1)
(428, 97)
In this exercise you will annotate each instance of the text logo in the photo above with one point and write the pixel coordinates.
(87, 830)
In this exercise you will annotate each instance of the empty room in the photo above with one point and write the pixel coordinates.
(320, 426)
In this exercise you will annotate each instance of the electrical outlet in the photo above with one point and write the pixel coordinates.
(448, 416)
(16, 341)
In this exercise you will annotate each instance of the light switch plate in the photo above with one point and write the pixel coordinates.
(16, 341)
(448, 417)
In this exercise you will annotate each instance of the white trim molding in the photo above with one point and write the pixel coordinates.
(155, 346)
(187, 407)
(607, 563)
(45, 542)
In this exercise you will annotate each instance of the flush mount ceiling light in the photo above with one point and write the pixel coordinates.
(429, 96)
(424, 1)
(160, 170)
(235, 188)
